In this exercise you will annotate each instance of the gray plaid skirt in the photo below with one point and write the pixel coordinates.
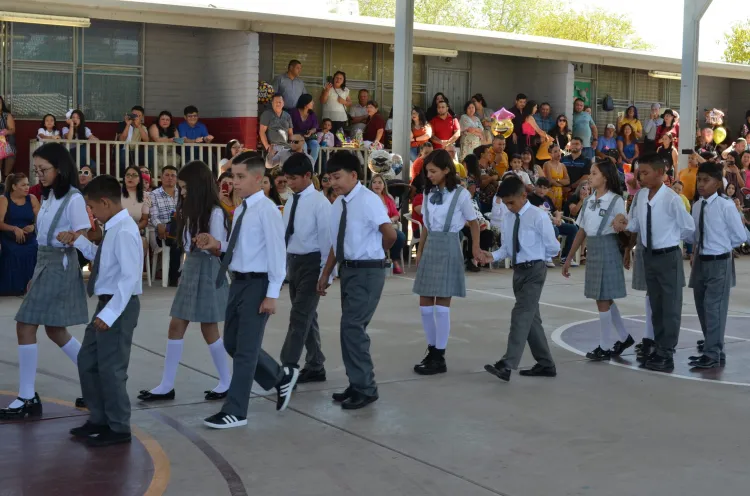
(639, 270)
(441, 269)
(197, 298)
(57, 296)
(605, 276)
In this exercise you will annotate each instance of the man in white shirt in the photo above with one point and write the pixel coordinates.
(718, 230)
(308, 242)
(361, 234)
(358, 113)
(116, 280)
(256, 256)
(528, 239)
(662, 221)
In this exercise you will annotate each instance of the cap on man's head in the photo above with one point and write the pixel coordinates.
(610, 126)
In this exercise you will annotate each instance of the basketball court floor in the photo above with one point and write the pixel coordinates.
(599, 429)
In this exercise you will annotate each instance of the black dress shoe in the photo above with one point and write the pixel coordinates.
(539, 371)
(213, 396)
(659, 363)
(500, 370)
(108, 438)
(433, 363)
(357, 400)
(307, 375)
(343, 396)
(87, 429)
(705, 362)
(471, 267)
(148, 396)
(30, 408)
(599, 355)
(621, 346)
(80, 403)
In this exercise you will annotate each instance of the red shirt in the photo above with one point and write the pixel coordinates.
(416, 167)
(36, 190)
(443, 129)
(374, 123)
(416, 202)
(390, 206)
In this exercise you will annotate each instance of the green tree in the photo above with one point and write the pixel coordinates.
(738, 43)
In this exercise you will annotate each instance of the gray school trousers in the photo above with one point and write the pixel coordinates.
(665, 278)
(711, 281)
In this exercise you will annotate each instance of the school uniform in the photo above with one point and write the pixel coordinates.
(358, 246)
(308, 243)
(662, 222)
(718, 229)
(255, 255)
(528, 240)
(104, 357)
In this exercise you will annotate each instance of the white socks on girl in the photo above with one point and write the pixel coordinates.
(71, 349)
(428, 323)
(618, 322)
(442, 326)
(172, 361)
(649, 322)
(605, 337)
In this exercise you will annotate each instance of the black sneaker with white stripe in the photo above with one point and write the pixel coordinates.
(224, 421)
(285, 388)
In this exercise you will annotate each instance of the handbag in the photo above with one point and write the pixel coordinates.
(6, 150)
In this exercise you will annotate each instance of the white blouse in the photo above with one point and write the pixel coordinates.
(463, 213)
(74, 218)
(215, 228)
(46, 133)
(589, 220)
(333, 109)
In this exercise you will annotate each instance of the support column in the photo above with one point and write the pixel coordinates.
(402, 80)
(693, 13)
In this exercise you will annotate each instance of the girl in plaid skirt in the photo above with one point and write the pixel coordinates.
(197, 298)
(605, 277)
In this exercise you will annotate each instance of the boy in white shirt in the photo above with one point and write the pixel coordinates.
(116, 280)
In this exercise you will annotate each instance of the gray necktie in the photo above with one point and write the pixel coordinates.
(516, 242)
(342, 234)
(701, 226)
(290, 226)
(94, 274)
(230, 248)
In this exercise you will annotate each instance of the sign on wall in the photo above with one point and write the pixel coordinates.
(582, 90)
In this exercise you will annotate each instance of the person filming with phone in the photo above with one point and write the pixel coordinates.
(133, 130)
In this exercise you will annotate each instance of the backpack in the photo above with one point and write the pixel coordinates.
(608, 105)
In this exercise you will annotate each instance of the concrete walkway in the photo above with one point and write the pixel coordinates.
(597, 429)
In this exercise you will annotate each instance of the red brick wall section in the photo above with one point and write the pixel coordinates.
(223, 129)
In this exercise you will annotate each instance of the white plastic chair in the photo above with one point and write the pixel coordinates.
(164, 251)
(414, 241)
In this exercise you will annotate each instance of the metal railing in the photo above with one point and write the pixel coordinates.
(113, 157)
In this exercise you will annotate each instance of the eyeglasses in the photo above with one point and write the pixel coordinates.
(189, 116)
(131, 176)
(83, 173)
(296, 142)
(41, 172)
(324, 180)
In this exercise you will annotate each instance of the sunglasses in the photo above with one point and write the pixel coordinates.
(84, 173)
(325, 180)
(296, 142)
(132, 176)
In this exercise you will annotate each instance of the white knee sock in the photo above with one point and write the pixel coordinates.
(71, 349)
(649, 322)
(618, 322)
(171, 362)
(28, 356)
(219, 355)
(605, 336)
(442, 326)
(428, 322)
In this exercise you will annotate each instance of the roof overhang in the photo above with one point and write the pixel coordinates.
(195, 14)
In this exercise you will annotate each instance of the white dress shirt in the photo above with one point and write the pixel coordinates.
(589, 220)
(670, 222)
(215, 228)
(74, 218)
(260, 243)
(722, 223)
(497, 215)
(311, 224)
(535, 235)
(463, 213)
(364, 216)
(120, 268)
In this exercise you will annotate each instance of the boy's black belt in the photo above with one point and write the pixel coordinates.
(527, 265)
(710, 258)
(365, 264)
(304, 255)
(244, 276)
(106, 298)
(662, 251)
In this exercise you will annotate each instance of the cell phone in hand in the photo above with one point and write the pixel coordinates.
(132, 116)
(225, 187)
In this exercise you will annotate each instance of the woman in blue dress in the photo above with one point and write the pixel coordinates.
(18, 245)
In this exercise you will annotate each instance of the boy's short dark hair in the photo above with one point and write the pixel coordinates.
(577, 138)
(344, 160)
(326, 119)
(298, 164)
(190, 109)
(653, 160)
(516, 156)
(499, 137)
(712, 170)
(513, 186)
(251, 160)
(140, 108)
(104, 186)
(543, 182)
(169, 167)
(678, 182)
(521, 96)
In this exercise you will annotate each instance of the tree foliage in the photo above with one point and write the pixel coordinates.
(550, 18)
(738, 43)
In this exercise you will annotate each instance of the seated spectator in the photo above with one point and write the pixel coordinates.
(358, 113)
(630, 118)
(627, 144)
(135, 200)
(192, 131)
(539, 198)
(163, 206)
(577, 165)
(76, 129)
(561, 133)
(374, 133)
(305, 123)
(668, 151)
(445, 128)
(516, 168)
(85, 174)
(148, 182)
(533, 170)
(417, 201)
(325, 181)
(486, 236)
(18, 245)
(606, 146)
(421, 131)
(297, 145)
(460, 169)
(133, 130)
(498, 156)
(416, 166)
(489, 180)
(485, 114)
(574, 203)
(279, 185)
(48, 129)
(379, 187)
(557, 175)
(331, 194)
(233, 148)
(230, 200)
(706, 141)
(472, 130)
(275, 128)
(164, 131)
